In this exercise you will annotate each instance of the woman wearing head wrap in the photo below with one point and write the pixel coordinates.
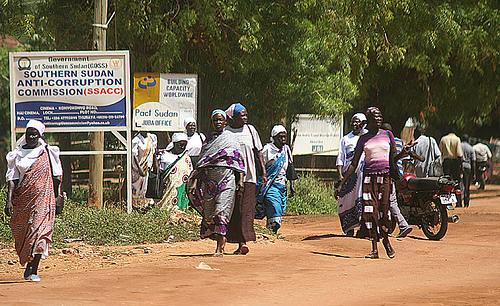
(144, 148)
(212, 186)
(277, 157)
(31, 199)
(350, 200)
(175, 167)
(195, 139)
(241, 227)
(377, 145)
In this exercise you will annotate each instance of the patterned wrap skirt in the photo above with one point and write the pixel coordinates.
(376, 219)
(32, 221)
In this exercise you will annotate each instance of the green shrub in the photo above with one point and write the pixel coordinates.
(312, 197)
(112, 226)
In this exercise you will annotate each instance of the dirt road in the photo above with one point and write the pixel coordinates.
(313, 265)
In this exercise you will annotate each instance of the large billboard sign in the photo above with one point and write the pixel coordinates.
(316, 135)
(162, 101)
(74, 89)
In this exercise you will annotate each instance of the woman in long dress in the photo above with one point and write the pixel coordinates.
(350, 201)
(377, 145)
(175, 167)
(241, 228)
(144, 149)
(31, 201)
(213, 185)
(273, 195)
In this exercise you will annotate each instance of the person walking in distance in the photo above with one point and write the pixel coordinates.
(469, 168)
(404, 228)
(350, 197)
(483, 157)
(451, 150)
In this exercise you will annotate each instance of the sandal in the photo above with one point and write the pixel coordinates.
(372, 255)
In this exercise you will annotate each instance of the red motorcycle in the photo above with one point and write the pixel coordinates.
(425, 202)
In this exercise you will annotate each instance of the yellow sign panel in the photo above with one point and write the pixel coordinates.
(146, 88)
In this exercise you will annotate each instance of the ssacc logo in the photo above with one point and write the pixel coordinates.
(24, 63)
(146, 82)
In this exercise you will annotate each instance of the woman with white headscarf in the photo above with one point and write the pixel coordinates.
(31, 199)
(175, 168)
(195, 139)
(350, 200)
(271, 196)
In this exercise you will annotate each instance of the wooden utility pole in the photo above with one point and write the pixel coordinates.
(96, 162)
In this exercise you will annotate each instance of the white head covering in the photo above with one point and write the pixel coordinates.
(360, 116)
(189, 120)
(40, 127)
(276, 130)
(176, 137)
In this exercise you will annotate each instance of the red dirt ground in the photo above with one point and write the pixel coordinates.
(314, 264)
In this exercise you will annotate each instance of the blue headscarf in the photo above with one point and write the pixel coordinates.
(234, 109)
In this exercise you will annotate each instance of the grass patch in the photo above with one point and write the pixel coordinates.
(312, 197)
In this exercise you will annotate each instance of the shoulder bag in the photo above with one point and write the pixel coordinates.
(435, 168)
(256, 155)
(56, 182)
(291, 174)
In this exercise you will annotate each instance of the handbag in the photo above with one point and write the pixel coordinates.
(291, 174)
(56, 183)
(435, 168)
(258, 163)
(155, 186)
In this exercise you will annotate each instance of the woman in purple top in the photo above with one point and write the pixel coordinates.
(376, 144)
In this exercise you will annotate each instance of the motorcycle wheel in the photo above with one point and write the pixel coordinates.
(434, 220)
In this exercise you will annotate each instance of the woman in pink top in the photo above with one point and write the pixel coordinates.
(376, 144)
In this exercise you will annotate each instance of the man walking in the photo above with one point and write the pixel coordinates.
(451, 150)
(483, 155)
(469, 166)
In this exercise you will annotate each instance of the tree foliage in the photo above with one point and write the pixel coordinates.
(433, 60)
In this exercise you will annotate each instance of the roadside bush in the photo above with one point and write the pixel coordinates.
(312, 197)
(112, 226)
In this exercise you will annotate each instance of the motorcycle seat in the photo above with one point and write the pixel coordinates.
(423, 183)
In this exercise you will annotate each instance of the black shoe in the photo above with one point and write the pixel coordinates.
(350, 233)
(389, 250)
(372, 255)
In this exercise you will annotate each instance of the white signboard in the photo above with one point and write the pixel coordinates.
(316, 136)
(77, 89)
(163, 101)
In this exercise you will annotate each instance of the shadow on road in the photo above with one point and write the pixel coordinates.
(318, 237)
(13, 282)
(334, 255)
(195, 255)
